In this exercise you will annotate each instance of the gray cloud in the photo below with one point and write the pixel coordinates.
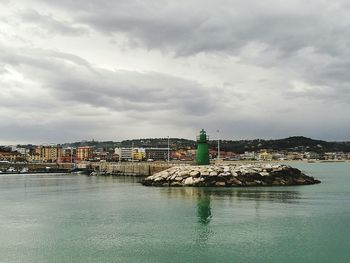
(64, 80)
(282, 32)
(52, 25)
(189, 27)
(253, 69)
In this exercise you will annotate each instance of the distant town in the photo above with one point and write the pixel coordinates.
(174, 149)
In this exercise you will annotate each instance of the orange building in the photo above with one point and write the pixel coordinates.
(49, 153)
(84, 153)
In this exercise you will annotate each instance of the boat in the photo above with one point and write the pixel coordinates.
(24, 170)
(11, 170)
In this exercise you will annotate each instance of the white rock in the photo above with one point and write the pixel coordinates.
(173, 177)
(189, 181)
(197, 180)
(194, 173)
(226, 169)
(183, 173)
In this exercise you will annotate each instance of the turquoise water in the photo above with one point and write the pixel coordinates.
(63, 218)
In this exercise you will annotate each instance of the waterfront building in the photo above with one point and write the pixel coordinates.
(157, 153)
(139, 154)
(295, 155)
(128, 154)
(280, 156)
(49, 153)
(311, 155)
(69, 155)
(84, 153)
(264, 155)
(10, 156)
(34, 157)
(248, 156)
(124, 153)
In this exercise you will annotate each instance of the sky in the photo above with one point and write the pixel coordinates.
(115, 70)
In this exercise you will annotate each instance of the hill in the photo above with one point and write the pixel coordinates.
(295, 143)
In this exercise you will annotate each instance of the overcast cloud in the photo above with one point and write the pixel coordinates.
(113, 70)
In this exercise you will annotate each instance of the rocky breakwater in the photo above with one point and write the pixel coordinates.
(230, 176)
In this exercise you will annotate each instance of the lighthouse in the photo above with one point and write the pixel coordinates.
(202, 157)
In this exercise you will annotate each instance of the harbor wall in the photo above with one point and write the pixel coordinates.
(134, 169)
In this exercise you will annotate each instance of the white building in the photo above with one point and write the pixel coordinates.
(127, 154)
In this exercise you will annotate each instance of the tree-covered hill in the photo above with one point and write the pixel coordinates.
(296, 143)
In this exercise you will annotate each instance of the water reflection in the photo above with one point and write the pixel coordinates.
(203, 231)
(236, 195)
(232, 197)
(203, 209)
(242, 203)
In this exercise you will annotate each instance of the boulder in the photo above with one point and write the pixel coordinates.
(213, 173)
(188, 181)
(195, 174)
(230, 175)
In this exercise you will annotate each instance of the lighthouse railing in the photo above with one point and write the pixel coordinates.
(199, 137)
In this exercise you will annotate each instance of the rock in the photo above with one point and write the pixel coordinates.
(300, 180)
(184, 173)
(188, 181)
(205, 173)
(220, 184)
(195, 174)
(164, 174)
(196, 181)
(235, 181)
(229, 175)
(172, 178)
(176, 184)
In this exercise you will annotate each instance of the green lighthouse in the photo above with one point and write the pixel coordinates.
(202, 149)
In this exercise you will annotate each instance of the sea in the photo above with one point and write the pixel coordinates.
(78, 218)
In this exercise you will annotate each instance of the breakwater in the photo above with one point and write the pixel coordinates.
(230, 175)
(21, 167)
(99, 168)
(130, 169)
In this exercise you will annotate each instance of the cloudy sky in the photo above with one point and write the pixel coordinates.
(114, 70)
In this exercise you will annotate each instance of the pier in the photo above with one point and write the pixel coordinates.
(142, 169)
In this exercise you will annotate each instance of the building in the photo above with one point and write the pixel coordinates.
(124, 154)
(248, 156)
(68, 156)
(49, 153)
(139, 154)
(85, 153)
(311, 155)
(128, 154)
(264, 155)
(157, 153)
(10, 156)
